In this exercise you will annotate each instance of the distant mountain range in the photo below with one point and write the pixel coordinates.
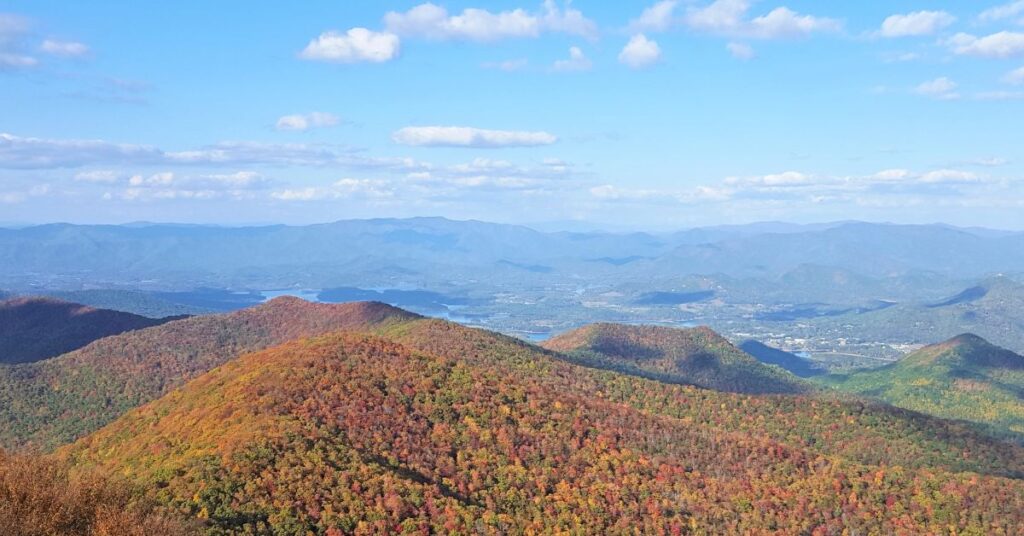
(992, 308)
(965, 378)
(438, 253)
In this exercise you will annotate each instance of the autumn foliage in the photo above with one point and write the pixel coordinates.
(41, 497)
(53, 402)
(429, 427)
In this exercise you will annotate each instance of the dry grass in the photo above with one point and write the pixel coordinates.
(41, 497)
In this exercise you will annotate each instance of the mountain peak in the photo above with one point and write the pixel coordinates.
(966, 350)
(698, 356)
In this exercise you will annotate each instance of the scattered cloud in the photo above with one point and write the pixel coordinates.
(431, 21)
(98, 176)
(998, 45)
(450, 136)
(900, 57)
(18, 152)
(568, 20)
(64, 49)
(731, 18)
(18, 196)
(509, 66)
(167, 185)
(941, 88)
(16, 61)
(656, 18)
(794, 186)
(27, 153)
(917, 23)
(354, 46)
(1015, 76)
(13, 29)
(302, 122)
(741, 51)
(640, 52)
(1001, 12)
(577, 62)
(999, 95)
(993, 161)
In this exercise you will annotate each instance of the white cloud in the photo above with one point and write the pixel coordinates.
(656, 18)
(892, 175)
(442, 136)
(354, 46)
(993, 161)
(729, 17)
(12, 28)
(607, 191)
(160, 179)
(342, 189)
(948, 176)
(1015, 76)
(899, 57)
(998, 45)
(473, 24)
(240, 180)
(169, 185)
(302, 122)
(39, 153)
(741, 51)
(432, 21)
(941, 88)
(999, 95)
(16, 61)
(509, 66)
(27, 153)
(98, 176)
(577, 62)
(1001, 12)
(12, 197)
(721, 16)
(640, 52)
(568, 21)
(782, 22)
(65, 49)
(916, 23)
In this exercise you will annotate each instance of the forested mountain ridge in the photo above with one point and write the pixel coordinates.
(36, 328)
(965, 378)
(52, 402)
(696, 356)
(360, 433)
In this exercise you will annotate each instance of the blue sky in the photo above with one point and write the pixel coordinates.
(627, 114)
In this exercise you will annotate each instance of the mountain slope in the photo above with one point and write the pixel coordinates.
(35, 328)
(696, 356)
(361, 434)
(795, 364)
(51, 402)
(868, 433)
(963, 378)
